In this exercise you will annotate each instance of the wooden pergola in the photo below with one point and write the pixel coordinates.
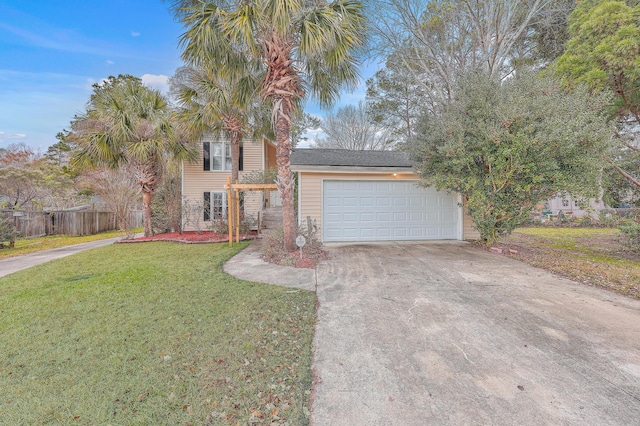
(233, 200)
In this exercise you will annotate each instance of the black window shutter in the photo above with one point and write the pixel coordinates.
(207, 206)
(241, 159)
(206, 156)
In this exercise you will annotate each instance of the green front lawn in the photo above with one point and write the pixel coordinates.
(152, 333)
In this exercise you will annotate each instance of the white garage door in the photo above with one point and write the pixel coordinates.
(386, 210)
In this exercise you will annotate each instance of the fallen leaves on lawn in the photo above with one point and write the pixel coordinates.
(598, 259)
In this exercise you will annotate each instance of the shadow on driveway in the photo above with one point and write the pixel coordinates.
(444, 333)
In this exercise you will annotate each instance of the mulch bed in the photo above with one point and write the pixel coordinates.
(308, 260)
(189, 237)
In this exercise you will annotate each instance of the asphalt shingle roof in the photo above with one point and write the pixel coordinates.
(347, 157)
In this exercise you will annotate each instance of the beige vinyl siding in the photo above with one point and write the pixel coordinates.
(469, 233)
(310, 196)
(197, 181)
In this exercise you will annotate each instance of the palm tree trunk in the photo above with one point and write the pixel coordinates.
(285, 183)
(148, 176)
(235, 157)
(146, 213)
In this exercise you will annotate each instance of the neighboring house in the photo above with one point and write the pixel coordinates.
(204, 196)
(373, 196)
(572, 207)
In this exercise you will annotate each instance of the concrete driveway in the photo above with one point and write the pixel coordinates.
(443, 333)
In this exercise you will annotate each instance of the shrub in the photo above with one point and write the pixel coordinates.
(8, 233)
(630, 236)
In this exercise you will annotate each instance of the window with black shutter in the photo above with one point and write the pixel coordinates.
(207, 206)
(216, 156)
(206, 156)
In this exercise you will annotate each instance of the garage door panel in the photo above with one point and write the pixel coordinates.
(383, 201)
(332, 218)
(366, 201)
(350, 202)
(383, 217)
(383, 233)
(350, 232)
(416, 216)
(399, 201)
(416, 232)
(350, 186)
(366, 186)
(432, 232)
(331, 185)
(450, 231)
(393, 210)
(350, 217)
(400, 217)
(368, 233)
(400, 232)
(416, 201)
(332, 201)
(366, 217)
(382, 186)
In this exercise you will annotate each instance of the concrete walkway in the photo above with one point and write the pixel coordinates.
(18, 263)
(446, 334)
(247, 265)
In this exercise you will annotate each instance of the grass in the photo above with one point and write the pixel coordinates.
(592, 256)
(152, 334)
(31, 245)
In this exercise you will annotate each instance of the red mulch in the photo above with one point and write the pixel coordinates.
(190, 237)
(293, 259)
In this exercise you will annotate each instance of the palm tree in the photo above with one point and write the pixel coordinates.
(128, 123)
(214, 101)
(218, 102)
(305, 46)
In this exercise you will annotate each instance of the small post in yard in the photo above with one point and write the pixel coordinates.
(300, 242)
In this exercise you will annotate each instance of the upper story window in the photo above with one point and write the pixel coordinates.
(565, 203)
(217, 156)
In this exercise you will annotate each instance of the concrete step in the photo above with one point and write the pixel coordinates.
(272, 218)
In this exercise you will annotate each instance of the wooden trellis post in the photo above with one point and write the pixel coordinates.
(229, 211)
(233, 203)
(237, 223)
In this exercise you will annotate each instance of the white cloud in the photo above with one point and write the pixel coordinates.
(4, 136)
(135, 34)
(110, 62)
(159, 82)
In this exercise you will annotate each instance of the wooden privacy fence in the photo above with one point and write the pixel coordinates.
(74, 223)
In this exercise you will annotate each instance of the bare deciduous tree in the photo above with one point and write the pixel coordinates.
(442, 38)
(350, 127)
(119, 189)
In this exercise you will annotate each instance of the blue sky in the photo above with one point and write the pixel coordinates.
(53, 51)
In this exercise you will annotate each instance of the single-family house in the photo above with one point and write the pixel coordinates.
(374, 196)
(572, 207)
(350, 195)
